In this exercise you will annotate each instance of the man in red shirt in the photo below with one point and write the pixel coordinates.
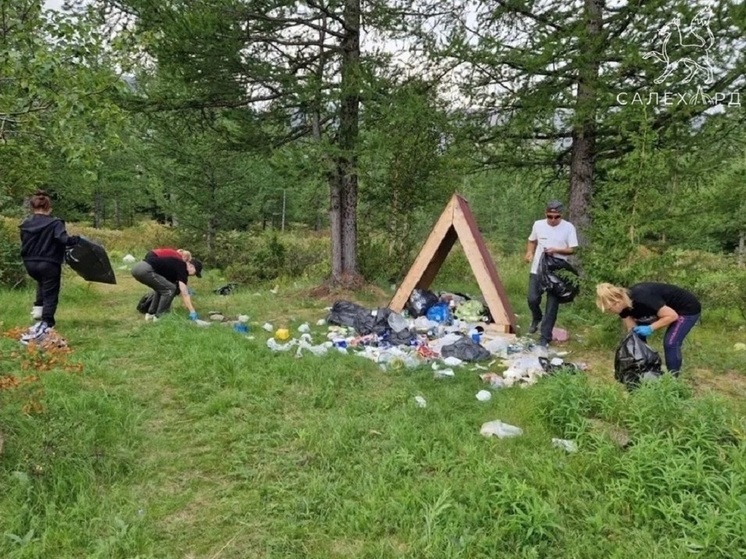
(165, 271)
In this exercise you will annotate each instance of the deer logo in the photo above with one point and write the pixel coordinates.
(693, 47)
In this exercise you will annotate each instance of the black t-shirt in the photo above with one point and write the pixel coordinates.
(648, 298)
(173, 269)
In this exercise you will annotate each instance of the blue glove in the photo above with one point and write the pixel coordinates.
(644, 331)
(193, 315)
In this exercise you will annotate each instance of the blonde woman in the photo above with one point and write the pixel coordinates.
(646, 307)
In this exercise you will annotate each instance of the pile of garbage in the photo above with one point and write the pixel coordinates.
(435, 331)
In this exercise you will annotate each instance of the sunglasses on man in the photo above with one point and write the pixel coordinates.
(554, 216)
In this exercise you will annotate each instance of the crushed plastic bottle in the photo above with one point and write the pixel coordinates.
(484, 395)
(420, 401)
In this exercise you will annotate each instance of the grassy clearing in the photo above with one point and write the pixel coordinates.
(180, 442)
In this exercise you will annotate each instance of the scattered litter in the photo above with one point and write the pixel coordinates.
(282, 334)
(484, 395)
(225, 290)
(268, 327)
(243, 318)
(304, 328)
(317, 350)
(453, 361)
(444, 373)
(241, 328)
(495, 380)
(274, 346)
(274, 290)
(217, 317)
(320, 322)
(500, 430)
(420, 401)
(740, 346)
(560, 335)
(203, 323)
(129, 259)
(466, 349)
(569, 446)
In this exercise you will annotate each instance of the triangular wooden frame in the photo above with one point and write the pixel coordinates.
(458, 223)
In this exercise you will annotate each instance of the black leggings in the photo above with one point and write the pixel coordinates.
(48, 277)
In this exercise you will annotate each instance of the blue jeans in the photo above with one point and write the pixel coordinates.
(675, 334)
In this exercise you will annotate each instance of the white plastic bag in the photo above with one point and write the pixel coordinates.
(500, 430)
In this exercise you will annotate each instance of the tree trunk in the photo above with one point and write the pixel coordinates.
(742, 249)
(335, 225)
(117, 215)
(583, 151)
(343, 207)
(98, 209)
(210, 237)
(174, 219)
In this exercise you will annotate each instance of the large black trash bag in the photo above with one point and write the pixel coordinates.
(90, 261)
(558, 277)
(379, 324)
(344, 313)
(373, 324)
(635, 360)
(465, 349)
(420, 301)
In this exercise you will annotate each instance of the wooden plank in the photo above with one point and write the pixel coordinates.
(457, 223)
(429, 260)
(482, 265)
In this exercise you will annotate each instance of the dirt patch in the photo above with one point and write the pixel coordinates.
(731, 383)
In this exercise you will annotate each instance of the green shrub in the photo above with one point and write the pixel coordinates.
(12, 272)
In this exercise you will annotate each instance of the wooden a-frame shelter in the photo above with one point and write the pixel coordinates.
(458, 223)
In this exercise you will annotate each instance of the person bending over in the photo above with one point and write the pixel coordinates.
(649, 306)
(166, 275)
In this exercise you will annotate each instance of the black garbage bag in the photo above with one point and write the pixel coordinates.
(379, 325)
(369, 324)
(226, 289)
(558, 277)
(90, 261)
(635, 360)
(344, 313)
(465, 349)
(420, 301)
(143, 306)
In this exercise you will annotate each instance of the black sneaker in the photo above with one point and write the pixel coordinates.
(534, 327)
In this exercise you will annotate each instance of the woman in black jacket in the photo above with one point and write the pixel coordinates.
(43, 242)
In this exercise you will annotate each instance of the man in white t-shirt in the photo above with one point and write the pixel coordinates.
(556, 236)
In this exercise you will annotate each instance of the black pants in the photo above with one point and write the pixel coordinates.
(48, 278)
(163, 290)
(534, 303)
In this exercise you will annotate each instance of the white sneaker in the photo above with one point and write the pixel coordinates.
(149, 317)
(36, 333)
(36, 312)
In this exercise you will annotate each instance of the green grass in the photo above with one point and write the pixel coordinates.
(181, 442)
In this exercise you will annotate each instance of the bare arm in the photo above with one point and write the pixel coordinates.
(666, 316)
(565, 251)
(629, 323)
(185, 298)
(530, 250)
